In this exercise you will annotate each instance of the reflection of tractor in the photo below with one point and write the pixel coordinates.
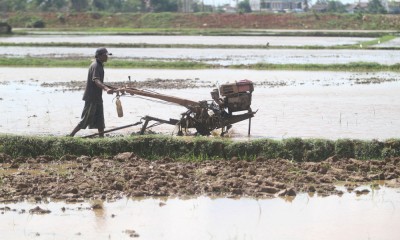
(205, 116)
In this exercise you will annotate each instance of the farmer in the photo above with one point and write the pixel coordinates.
(92, 114)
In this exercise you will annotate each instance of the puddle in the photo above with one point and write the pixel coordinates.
(205, 40)
(372, 216)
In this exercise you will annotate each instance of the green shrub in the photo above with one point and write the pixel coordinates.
(319, 149)
(391, 148)
(294, 149)
(271, 149)
(368, 149)
(242, 150)
(344, 148)
(36, 23)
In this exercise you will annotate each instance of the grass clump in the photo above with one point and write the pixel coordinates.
(391, 148)
(317, 149)
(367, 150)
(294, 149)
(344, 148)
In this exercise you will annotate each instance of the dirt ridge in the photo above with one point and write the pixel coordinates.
(304, 21)
(78, 178)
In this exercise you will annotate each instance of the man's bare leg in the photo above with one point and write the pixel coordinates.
(101, 132)
(76, 129)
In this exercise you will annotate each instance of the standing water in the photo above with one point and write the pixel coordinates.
(350, 216)
(290, 103)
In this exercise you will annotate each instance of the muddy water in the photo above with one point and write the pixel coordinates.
(290, 104)
(206, 40)
(216, 56)
(372, 216)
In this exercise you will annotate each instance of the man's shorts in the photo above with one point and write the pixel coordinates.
(92, 116)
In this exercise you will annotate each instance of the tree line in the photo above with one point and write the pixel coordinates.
(91, 5)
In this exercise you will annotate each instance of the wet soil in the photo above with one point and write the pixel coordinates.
(149, 83)
(79, 178)
(158, 83)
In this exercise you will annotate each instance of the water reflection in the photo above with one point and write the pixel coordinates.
(372, 216)
(203, 40)
(216, 56)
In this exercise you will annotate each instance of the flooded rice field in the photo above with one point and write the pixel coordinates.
(306, 104)
(216, 56)
(350, 216)
(203, 40)
(47, 101)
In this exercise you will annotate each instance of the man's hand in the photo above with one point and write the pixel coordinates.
(110, 91)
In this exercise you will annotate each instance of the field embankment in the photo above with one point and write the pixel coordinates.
(200, 148)
(233, 22)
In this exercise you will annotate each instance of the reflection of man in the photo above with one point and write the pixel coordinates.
(93, 114)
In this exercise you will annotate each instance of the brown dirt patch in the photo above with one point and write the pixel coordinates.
(75, 179)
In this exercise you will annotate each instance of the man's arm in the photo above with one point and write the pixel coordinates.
(103, 86)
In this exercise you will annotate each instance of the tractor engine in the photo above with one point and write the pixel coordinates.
(235, 96)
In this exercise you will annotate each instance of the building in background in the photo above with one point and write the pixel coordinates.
(278, 5)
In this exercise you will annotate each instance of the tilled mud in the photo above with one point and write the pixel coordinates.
(76, 179)
(150, 83)
(196, 83)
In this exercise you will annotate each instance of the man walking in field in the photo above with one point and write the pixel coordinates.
(93, 113)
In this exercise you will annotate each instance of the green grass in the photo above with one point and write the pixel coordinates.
(382, 39)
(199, 148)
(58, 62)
